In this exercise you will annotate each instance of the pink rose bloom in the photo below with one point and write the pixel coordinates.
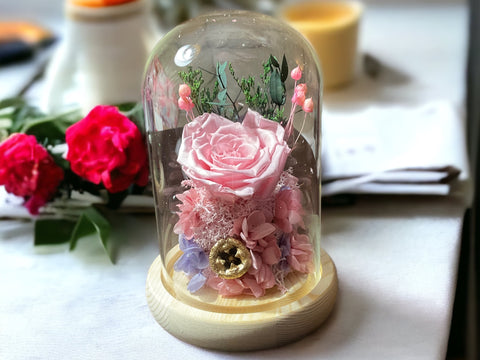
(241, 159)
(301, 253)
(107, 147)
(28, 170)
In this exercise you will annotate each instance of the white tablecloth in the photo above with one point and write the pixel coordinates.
(396, 256)
(396, 261)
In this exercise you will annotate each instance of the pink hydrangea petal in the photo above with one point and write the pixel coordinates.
(262, 231)
(254, 287)
(271, 255)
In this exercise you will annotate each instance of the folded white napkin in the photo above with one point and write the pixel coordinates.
(394, 150)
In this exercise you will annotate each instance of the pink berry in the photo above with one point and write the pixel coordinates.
(184, 91)
(185, 104)
(296, 73)
(308, 105)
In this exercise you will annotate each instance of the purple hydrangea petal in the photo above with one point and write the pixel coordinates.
(202, 260)
(193, 260)
(182, 264)
(196, 282)
(285, 247)
(184, 243)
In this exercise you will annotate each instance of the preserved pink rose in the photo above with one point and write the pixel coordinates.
(233, 158)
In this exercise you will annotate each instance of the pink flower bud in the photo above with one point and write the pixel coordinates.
(301, 88)
(296, 73)
(299, 94)
(184, 91)
(308, 105)
(185, 104)
(298, 98)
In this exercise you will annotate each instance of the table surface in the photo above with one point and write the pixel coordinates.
(396, 257)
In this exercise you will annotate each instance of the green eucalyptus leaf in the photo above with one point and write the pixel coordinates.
(284, 72)
(92, 222)
(222, 96)
(274, 61)
(277, 89)
(222, 76)
(52, 231)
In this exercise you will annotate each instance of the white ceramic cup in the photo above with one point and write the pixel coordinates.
(102, 56)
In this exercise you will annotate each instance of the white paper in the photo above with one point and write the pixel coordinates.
(398, 145)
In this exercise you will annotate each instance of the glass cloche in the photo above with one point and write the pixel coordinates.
(233, 104)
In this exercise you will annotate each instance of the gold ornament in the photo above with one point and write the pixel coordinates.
(230, 258)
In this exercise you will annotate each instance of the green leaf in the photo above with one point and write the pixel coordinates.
(29, 119)
(222, 96)
(50, 129)
(12, 102)
(127, 107)
(274, 61)
(92, 222)
(134, 111)
(284, 71)
(52, 231)
(277, 88)
(21, 113)
(222, 76)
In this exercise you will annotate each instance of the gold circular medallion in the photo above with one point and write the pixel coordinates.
(230, 258)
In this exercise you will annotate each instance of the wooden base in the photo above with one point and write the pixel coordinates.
(242, 323)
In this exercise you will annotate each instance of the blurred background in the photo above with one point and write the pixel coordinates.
(448, 72)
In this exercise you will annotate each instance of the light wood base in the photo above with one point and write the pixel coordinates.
(242, 323)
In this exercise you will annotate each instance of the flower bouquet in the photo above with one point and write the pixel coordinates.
(51, 163)
(240, 216)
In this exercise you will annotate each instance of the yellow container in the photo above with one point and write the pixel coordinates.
(332, 28)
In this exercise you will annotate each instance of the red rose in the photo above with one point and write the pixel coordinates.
(107, 147)
(28, 170)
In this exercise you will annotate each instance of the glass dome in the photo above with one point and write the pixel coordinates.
(233, 104)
